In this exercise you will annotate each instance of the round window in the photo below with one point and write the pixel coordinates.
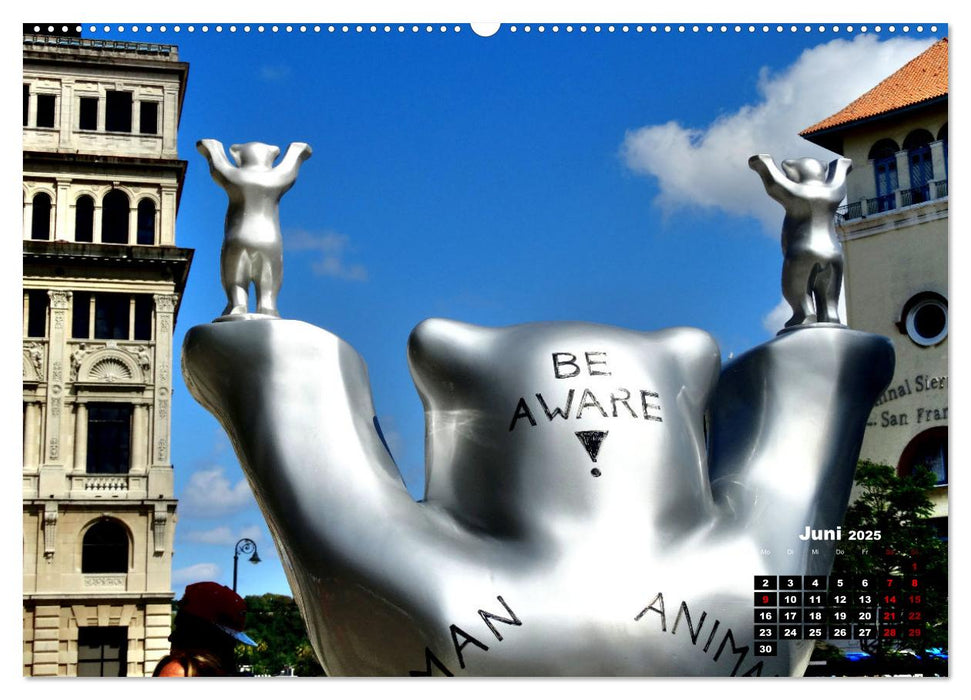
(927, 321)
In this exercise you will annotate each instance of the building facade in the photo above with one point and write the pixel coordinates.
(894, 229)
(102, 284)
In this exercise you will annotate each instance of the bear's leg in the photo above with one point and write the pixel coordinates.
(826, 292)
(235, 270)
(796, 273)
(267, 282)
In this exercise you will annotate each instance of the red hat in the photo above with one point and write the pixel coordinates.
(217, 605)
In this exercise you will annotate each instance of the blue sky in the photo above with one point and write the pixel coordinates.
(530, 175)
(585, 175)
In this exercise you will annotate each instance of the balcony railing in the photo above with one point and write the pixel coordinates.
(915, 195)
(889, 202)
(878, 205)
(100, 485)
(107, 486)
(853, 210)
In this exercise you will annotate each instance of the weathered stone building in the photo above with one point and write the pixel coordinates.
(102, 284)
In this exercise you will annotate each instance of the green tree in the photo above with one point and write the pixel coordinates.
(908, 548)
(274, 622)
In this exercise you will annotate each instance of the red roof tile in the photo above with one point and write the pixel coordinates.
(924, 78)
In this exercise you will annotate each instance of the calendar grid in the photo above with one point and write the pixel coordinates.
(836, 608)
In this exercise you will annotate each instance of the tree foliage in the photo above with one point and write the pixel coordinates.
(909, 547)
(274, 622)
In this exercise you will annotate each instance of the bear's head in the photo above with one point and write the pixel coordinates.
(804, 170)
(254, 154)
(539, 425)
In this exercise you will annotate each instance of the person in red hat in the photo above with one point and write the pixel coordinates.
(209, 623)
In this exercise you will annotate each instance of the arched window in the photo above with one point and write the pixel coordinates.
(884, 157)
(146, 222)
(917, 138)
(114, 217)
(40, 221)
(928, 449)
(104, 549)
(918, 147)
(84, 219)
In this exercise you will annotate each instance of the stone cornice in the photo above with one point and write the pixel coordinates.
(107, 596)
(178, 260)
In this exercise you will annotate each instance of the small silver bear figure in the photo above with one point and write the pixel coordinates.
(812, 269)
(252, 250)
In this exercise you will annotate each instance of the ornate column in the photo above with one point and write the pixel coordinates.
(96, 220)
(169, 119)
(136, 114)
(66, 133)
(60, 307)
(61, 208)
(166, 216)
(28, 215)
(132, 219)
(139, 439)
(903, 177)
(164, 323)
(102, 109)
(939, 160)
(32, 108)
(80, 438)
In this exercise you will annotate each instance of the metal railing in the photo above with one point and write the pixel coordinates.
(877, 205)
(881, 203)
(915, 195)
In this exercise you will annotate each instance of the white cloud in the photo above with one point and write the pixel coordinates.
(332, 248)
(210, 494)
(222, 535)
(708, 168)
(196, 572)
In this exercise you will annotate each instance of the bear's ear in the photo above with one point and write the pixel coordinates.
(792, 170)
(446, 355)
(236, 151)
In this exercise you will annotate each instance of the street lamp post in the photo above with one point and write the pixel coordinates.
(244, 546)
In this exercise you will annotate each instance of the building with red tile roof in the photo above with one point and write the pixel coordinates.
(894, 230)
(922, 81)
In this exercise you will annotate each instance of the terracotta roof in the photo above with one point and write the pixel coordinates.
(924, 78)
